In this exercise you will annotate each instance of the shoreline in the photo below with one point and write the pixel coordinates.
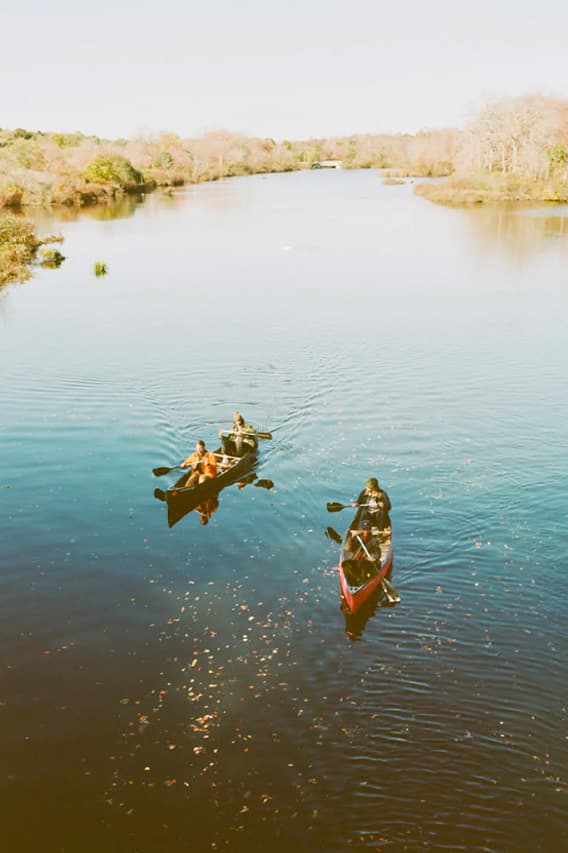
(19, 248)
(19, 243)
(491, 190)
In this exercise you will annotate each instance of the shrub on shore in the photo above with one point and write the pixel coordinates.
(18, 247)
(113, 169)
(51, 258)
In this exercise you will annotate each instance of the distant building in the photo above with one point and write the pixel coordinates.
(327, 164)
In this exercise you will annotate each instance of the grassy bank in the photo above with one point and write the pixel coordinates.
(19, 246)
(422, 169)
(494, 189)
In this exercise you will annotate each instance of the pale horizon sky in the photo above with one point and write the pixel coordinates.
(293, 70)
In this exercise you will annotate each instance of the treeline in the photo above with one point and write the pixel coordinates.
(55, 168)
(515, 150)
(516, 147)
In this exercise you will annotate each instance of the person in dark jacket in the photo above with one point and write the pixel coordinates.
(240, 439)
(372, 516)
(374, 507)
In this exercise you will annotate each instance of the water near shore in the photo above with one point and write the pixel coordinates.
(198, 688)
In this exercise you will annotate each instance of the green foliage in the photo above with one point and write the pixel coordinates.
(20, 133)
(51, 258)
(114, 169)
(164, 160)
(18, 244)
(18, 247)
(10, 196)
(557, 156)
(350, 155)
(66, 140)
(16, 229)
(29, 154)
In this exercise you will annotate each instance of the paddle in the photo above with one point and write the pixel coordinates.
(392, 595)
(159, 472)
(265, 484)
(333, 535)
(390, 592)
(267, 435)
(332, 506)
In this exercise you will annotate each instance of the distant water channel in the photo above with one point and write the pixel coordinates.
(198, 688)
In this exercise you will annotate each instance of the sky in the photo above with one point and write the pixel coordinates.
(294, 69)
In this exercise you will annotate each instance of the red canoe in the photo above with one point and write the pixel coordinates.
(362, 572)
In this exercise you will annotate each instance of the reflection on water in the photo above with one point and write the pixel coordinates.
(518, 232)
(178, 687)
(121, 208)
(208, 507)
(184, 503)
(355, 623)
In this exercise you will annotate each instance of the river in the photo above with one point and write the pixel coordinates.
(198, 687)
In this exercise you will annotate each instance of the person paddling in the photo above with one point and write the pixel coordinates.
(373, 514)
(241, 438)
(203, 465)
(374, 504)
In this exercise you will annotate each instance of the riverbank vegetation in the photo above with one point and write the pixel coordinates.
(18, 248)
(39, 168)
(514, 150)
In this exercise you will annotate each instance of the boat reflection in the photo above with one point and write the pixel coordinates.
(206, 506)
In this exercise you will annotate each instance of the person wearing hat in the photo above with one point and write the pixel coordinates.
(374, 506)
(373, 514)
(240, 439)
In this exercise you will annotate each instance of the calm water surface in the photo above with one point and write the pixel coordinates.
(198, 688)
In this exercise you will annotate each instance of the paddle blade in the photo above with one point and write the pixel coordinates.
(390, 591)
(267, 435)
(332, 506)
(265, 484)
(159, 472)
(159, 494)
(333, 534)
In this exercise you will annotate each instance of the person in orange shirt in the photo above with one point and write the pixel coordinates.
(202, 463)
